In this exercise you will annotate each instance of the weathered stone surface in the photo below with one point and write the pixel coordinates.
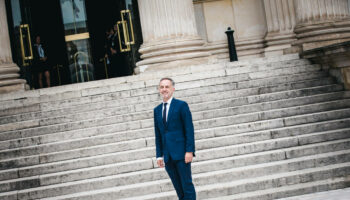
(270, 124)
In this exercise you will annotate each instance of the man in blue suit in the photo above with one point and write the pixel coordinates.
(174, 134)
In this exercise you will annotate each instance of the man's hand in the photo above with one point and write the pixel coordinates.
(160, 163)
(188, 157)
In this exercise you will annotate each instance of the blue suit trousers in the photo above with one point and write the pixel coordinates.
(181, 177)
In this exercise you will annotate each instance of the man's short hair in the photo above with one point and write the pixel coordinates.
(169, 79)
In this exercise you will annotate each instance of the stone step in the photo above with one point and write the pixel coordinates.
(114, 147)
(217, 188)
(338, 194)
(195, 99)
(227, 167)
(10, 144)
(179, 71)
(221, 131)
(155, 98)
(68, 145)
(274, 193)
(51, 117)
(108, 130)
(151, 90)
(141, 92)
(193, 73)
(122, 85)
(107, 166)
(140, 106)
(239, 118)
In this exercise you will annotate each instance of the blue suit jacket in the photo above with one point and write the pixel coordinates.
(176, 137)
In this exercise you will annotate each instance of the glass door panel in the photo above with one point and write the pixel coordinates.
(22, 42)
(77, 40)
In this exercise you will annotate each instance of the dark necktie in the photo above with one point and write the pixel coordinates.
(164, 113)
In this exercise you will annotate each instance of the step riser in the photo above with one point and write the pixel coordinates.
(197, 116)
(201, 155)
(275, 182)
(199, 145)
(167, 186)
(237, 161)
(344, 183)
(182, 77)
(113, 101)
(119, 110)
(181, 86)
(259, 127)
(67, 127)
(215, 132)
(227, 175)
(88, 133)
(264, 135)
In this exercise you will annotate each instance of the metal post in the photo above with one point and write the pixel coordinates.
(231, 44)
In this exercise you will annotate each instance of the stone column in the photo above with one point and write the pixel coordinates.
(170, 36)
(321, 23)
(281, 20)
(9, 77)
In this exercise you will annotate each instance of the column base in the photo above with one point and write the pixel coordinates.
(250, 48)
(321, 34)
(177, 64)
(13, 88)
(278, 43)
(9, 78)
(172, 52)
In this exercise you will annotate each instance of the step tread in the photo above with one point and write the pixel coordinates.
(159, 183)
(345, 100)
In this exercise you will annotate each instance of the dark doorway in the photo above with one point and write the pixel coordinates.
(101, 18)
(42, 18)
(47, 22)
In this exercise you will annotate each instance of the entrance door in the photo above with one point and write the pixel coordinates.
(74, 32)
(77, 38)
(101, 18)
(27, 19)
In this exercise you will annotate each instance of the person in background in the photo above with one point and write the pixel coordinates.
(40, 63)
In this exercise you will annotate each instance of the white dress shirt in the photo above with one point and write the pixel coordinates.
(167, 114)
(167, 107)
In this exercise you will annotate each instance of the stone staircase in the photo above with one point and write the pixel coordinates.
(266, 128)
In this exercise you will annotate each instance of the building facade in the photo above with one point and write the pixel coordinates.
(156, 34)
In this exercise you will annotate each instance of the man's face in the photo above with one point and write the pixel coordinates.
(166, 89)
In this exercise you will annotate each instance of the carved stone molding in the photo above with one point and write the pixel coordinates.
(169, 34)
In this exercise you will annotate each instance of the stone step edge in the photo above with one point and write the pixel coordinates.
(272, 193)
(37, 122)
(278, 109)
(236, 135)
(143, 86)
(38, 112)
(8, 132)
(155, 91)
(211, 186)
(279, 92)
(79, 86)
(216, 160)
(147, 138)
(146, 83)
(291, 126)
(291, 190)
(344, 96)
(235, 169)
(216, 148)
(303, 74)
